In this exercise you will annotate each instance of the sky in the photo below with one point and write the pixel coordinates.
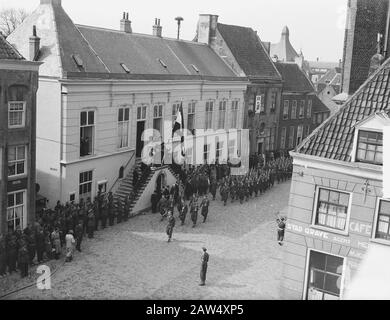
(316, 26)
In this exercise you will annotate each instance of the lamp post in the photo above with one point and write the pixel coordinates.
(179, 20)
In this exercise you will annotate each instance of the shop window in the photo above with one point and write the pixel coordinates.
(332, 209)
(325, 276)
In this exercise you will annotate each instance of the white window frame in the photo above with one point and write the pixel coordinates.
(83, 183)
(142, 111)
(191, 113)
(222, 114)
(301, 112)
(294, 108)
(234, 114)
(356, 142)
(101, 183)
(344, 232)
(307, 272)
(375, 224)
(25, 173)
(209, 108)
(301, 126)
(23, 111)
(24, 215)
(123, 122)
(87, 111)
(175, 107)
(159, 115)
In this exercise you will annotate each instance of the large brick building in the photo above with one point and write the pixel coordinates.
(18, 86)
(338, 231)
(366, 18)
(100, 89)
(242, 49)
(299, 104)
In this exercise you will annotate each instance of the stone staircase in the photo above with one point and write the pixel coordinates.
(126, 186)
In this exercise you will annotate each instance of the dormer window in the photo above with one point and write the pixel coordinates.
(162, 63)
(124, 67)
(79, 62)
(370, 147)
(368, 140)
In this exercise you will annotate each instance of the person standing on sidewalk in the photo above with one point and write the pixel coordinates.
(281, 228)
(203, 267)
(70, 241)
(171, 225)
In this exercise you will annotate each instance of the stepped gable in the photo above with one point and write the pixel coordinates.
(334, 138)
(294, 79)
(249, 51)
(7, 51)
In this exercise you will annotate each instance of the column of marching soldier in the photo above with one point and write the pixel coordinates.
(201, 180)
(59, 229)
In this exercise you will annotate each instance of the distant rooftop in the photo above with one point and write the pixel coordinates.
(7, 51)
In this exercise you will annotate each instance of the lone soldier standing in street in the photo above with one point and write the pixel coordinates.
(171, 225)
(281, 227)
(203, 268)
(205, 208)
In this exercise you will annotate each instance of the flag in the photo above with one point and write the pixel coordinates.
(179, 125)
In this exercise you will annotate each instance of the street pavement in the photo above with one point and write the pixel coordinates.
(133, 260)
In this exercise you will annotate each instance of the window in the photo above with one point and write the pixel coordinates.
(87, 128)
(332, 209)
(273, 102)
(383, 221)
(123, 127)
(325, 116)
(285, 109)
(325, 274)
(85, 186)
(17, 161)
(231, 148)
(319, 118)
(175, 107)
(209, 114)
(308, 130)
(294, 110)
(234, 114)
(141, 113)
(291, 138)
(302, 109)
(309, 107)
(219, 150)
(157, 118)
(272, 139)
(260, 103)
(191, 116)
(283, 138)
(16, 210)
(222, 114)
(16, 114)
(370, 147)
(102, 187)
(299, 134)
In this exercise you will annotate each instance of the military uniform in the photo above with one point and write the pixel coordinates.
(203, 267)
(205, 209)
(170, 226)
(183, 213)
(12, 251)
(194, 213)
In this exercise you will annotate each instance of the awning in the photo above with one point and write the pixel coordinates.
(372, 280)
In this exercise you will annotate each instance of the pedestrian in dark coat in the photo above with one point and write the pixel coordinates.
(23, 260)
(205, 208)
(31, 244)
(91, 223)
(194, 212)
(79, 236)
(154, 200)
(55, 238)
(11, 251)
(203, 267)
(170, 226)
(281, 228)
(40, 243)
(3, 256)
(213, 188)
(48, 245)
(183, 213)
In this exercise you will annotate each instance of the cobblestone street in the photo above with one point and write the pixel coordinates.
(134, 261)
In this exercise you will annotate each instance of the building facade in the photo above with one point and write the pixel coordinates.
(298, 104)
(338, 220)
(242, 49)
(18, 86)
(101, 89)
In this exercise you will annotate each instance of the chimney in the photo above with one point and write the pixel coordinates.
(207, 28)
(52, 2)
(126, 23)
(157, 28)
(34, 45)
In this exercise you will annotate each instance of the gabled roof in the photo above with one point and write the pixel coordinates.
(248, 51)
(284, 49)
(294, 79)
(334, 138)
(64, 46)
(7, 51)
(318, 105)
(332, 77)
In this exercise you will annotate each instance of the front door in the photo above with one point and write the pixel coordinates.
(140, 143)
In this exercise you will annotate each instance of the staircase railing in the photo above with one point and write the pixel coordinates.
(127, 164)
